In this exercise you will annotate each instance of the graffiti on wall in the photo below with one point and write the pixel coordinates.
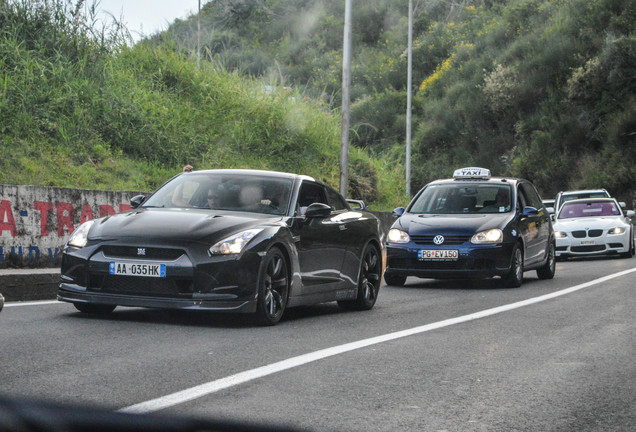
(35, 222)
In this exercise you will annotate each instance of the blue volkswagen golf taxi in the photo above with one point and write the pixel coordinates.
(472, 226)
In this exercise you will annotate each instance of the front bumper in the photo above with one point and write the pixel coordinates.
(193, 279)
(604, 245)
(474, 262)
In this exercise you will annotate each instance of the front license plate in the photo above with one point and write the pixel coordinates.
(587, 242)
(137, 269)
(442, 254)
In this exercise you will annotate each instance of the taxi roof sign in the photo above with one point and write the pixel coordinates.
(471, 173)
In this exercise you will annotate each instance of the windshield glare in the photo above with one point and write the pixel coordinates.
(463, 198)
(589, 209)
(234, 192)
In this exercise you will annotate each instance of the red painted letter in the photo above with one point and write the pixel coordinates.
(87, 213)
(44, 208)
(106, 210)
(6, 214)
(65, 213)
(124, 207)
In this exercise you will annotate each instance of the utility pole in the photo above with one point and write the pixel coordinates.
(409, 90)
(346, 85)
(199, 36)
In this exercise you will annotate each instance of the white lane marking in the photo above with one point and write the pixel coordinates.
(33, 303)
(260, 372)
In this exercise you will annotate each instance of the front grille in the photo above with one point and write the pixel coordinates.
(149, 253)
(594, 248)
(595, 233)
(579, 234)
(448, 240)
(141, 286)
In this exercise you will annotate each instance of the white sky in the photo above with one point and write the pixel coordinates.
(146, 17)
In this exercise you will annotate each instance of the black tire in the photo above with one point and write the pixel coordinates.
(547, 270)
(394, 280)
(92, 308)
(273, 288)
(369, 278)
(514, 278)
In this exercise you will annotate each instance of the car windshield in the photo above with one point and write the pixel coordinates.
(589, 209)
(217, 191)
(456, 198)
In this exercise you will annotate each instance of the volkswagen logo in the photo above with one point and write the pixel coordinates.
(438, 240)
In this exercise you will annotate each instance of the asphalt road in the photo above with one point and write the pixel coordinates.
(559, 364)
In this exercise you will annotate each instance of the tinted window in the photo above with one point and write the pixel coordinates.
(455, 198)
(310, 193)
(531, 196)
(335, 200)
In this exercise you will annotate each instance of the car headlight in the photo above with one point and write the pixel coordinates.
(398, 236)
(487, 237)
(560, 234)
(80, 235)
(235, 243)
(617, 230)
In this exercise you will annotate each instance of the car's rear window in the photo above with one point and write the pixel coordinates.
(589, 209)
(456, 198)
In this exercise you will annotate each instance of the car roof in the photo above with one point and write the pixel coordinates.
(573, 192)
(590, 200)
(265, 173)
(490, 180)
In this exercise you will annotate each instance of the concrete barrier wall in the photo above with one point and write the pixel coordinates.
(35, 222)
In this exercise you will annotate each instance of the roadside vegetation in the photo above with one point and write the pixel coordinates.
(541, 89)
(81, 108)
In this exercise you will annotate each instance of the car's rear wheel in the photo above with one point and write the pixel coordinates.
(514, 278)
(547, 270)
(369, 278)
(273, 288)
(94, 308)
(395, 280)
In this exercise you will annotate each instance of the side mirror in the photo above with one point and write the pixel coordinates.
(357, 204)
(529, 211)
(398, 212)
(630, 213)
(317, 210)
(1, 301)
(550, 210)
(137, 200)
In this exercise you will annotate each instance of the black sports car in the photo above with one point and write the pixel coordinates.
(227, 240)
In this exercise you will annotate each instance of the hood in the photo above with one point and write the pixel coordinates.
(604, 223)
(181, 224)
(460, 224)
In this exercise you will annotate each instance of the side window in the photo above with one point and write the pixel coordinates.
(531, 196)
(335, 200)
(310, 193)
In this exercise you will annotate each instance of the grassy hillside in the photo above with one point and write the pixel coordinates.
(543, 89)
(80, 108)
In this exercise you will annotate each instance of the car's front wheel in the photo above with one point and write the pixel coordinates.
(94, 308)
(514, 278)
(369, 278)
(547, 270)
(630, 252)
(395, 280)
(273, 288)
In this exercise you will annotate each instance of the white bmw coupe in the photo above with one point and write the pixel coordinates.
(593, 226)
